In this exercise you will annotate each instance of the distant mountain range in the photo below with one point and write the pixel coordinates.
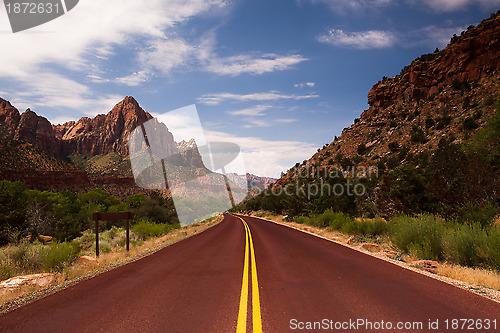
(87, 153)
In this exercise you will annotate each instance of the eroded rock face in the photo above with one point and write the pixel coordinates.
(104, 133)
(38, 131)
(189, 152)
(100, 135)
(472, 57)
(430, 100)
(9, 119)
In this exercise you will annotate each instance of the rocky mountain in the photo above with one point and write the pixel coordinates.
(254, 182)
(88, 152)
(101, 135)
(447, 94)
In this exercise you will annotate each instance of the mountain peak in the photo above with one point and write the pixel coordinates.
(128, 108)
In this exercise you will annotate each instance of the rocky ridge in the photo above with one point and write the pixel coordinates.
(447, 94)
(90, 152)
(88, 137)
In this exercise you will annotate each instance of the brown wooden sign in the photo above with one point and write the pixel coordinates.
(111, 217)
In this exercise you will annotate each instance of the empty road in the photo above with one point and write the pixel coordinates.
(250, 275)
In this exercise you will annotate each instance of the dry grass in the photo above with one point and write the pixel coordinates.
(477, 276)
(106, 261)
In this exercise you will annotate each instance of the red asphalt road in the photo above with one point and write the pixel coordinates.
(195, 285)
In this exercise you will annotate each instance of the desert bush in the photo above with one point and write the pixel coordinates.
(302, 219)
(339, 219)
(494, 248)
(28, 258)
(86, 241)
(361, 148)
(104, 246)
(365, 227)
(420, 236)
(466, 245)
(469, 124)
(393, 146)
(145, 229)
(483, 215)
(262, 213)
(57, 256)
(321, 220)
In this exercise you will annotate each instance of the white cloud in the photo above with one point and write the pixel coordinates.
(215, 99)
(454, 5)
(92, 27)
(266, 157)
(253, 122)
(134, 79)
(286, 120)
(253, 64)
(350, 6)
(343, 6)
(73, 43)
(162, 56)
(60, 119)
(433, 36)
(255, 111)
(302, 85)
(252, 117)
(371, 39)
(52, 90)
(166, 54)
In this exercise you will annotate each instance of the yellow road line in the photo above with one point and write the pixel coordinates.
(257, 323)
(242, 313)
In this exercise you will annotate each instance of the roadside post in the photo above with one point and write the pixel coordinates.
(127, 216)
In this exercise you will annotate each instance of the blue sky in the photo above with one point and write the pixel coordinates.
(279, 77)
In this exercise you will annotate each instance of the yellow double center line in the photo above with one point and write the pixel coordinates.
(242, 313)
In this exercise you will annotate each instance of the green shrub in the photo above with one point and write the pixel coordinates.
(302, 219)
(104, 246)
(321, 220)
(367, 228)
(494, 248)
(418, 135)
(470, 124)
(57, 256)
(394, 146)
(466, 245)
(421, 236)
(145, 229)
(6, 269)
(112, 233)
(361, 148)
(86, 241)
(339, 219)
(472, 214)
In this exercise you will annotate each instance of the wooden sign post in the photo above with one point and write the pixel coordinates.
(111, 217)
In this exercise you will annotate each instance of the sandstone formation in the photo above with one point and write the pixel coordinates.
(104, 133)
(448, 94)
(470, 57)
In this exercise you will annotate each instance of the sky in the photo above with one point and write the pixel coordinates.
(280, 78)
